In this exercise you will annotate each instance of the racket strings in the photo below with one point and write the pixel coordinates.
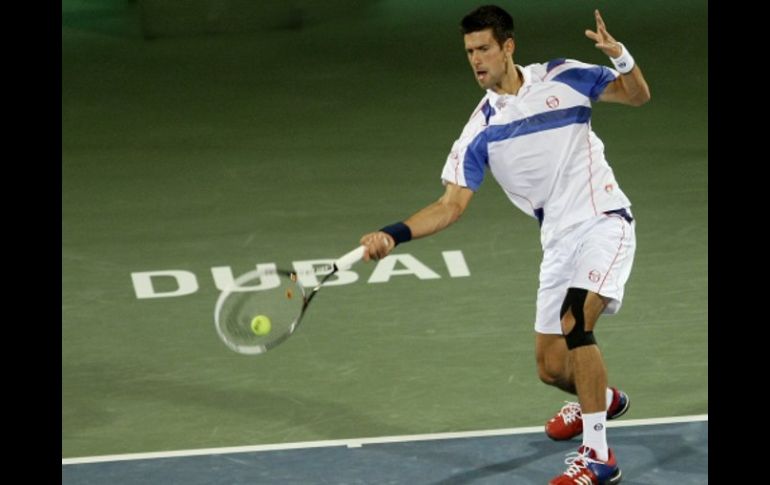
(281, 304)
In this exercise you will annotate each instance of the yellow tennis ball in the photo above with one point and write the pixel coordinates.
(260, 325)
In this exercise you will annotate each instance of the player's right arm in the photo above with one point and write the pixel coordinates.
(442, 213)
(462, 175)
(429, 220)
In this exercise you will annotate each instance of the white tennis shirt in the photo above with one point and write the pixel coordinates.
(539, 146)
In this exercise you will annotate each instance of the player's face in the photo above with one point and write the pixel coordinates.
(488, 58)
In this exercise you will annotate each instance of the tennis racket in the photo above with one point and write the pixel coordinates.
(262, 308)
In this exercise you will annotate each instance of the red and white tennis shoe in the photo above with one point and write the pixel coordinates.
(568, 422)
(584, 469)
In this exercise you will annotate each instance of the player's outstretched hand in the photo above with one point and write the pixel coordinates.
(604, 41)
(378, 245)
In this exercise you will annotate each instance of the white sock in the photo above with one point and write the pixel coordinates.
(610, 395)
(595, 434)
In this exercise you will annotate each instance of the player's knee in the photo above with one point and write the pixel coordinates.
(577, 336)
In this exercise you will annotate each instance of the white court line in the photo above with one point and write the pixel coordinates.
(358, 442)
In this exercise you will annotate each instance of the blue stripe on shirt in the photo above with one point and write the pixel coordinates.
(488, 112)
(476, 155)
(555, 63)
(474, 162)
(589, 82)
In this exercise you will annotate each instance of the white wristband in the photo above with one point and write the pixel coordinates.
(624, 63)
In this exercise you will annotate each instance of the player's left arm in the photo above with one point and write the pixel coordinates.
(629, 88)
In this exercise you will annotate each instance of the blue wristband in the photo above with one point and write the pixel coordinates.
(399, 231)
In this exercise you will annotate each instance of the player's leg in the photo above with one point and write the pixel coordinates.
(602, 266)
(555, 368)
(551, 355)
(580, 313)
(594, 462)
(563, 267)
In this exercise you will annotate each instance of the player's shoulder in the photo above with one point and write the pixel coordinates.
(544, 71)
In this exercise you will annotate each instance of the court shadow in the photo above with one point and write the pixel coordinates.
(679, 449)
(537, 448)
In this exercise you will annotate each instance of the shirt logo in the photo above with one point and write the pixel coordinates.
(552, 102)
(608, 188)
(500, 103)
(594, 276)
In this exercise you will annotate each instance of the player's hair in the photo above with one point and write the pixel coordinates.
(489, 16)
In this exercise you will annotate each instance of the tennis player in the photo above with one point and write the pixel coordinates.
(532, 131)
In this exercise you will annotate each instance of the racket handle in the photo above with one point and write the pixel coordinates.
(350, 258)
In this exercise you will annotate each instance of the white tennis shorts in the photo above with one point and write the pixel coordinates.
(595, 255)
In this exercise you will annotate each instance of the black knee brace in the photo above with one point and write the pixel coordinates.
(574, 301)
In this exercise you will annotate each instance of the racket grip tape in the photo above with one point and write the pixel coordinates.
(350, 258)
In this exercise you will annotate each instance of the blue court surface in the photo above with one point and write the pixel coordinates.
(675, 451)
